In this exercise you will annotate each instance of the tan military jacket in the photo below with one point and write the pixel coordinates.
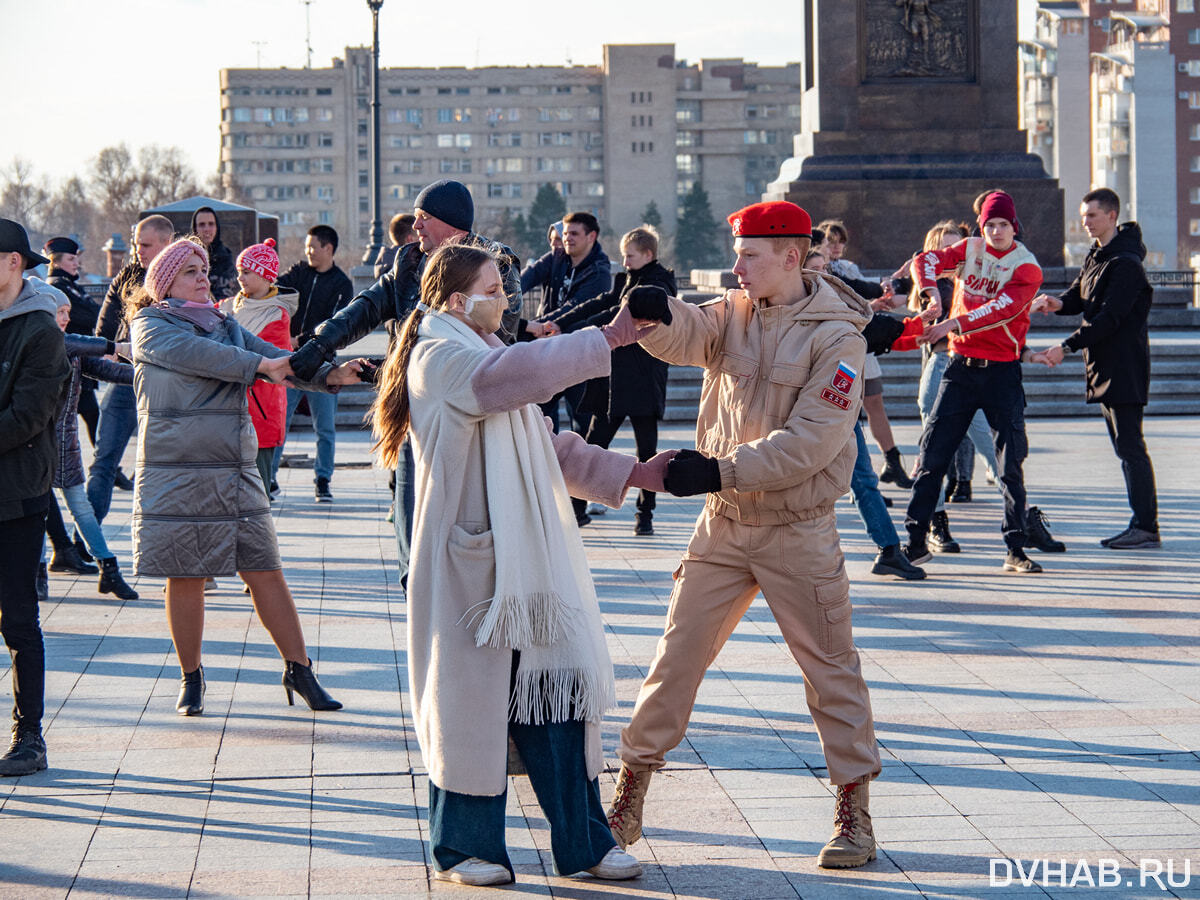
(782, 391)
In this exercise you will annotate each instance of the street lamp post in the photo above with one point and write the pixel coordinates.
(376, 245)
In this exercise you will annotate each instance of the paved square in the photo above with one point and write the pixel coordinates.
(1030, 718)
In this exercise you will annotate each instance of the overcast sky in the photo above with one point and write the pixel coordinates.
(84, 74)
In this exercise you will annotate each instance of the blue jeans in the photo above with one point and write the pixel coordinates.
(979, 436)
(324, 414)
(402, 511)
(864, 488)
(118, 422)
(86, 522)
(462, 825)
(964, 391)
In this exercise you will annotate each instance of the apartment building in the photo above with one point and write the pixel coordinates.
(1111, 98)
(643, 126)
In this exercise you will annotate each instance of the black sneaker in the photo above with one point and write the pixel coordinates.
(273, 492)
(321, 494)
(961, 492)
(891, 561)
(26, 754)
(583, 519)
(1037, 533)
(940, 539)
(122, 482)
(643, 525)
(1017, 561)
(917, 552)
(1105, 542)
(1136, 539)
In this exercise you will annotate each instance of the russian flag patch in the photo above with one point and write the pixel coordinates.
(843, 378)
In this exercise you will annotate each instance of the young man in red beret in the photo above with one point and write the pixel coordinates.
(775, 450)
(994, 285)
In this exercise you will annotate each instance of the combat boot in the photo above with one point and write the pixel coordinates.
(893, 470)
(625, 811)
(1037, 533)
(940, 539)
(853, 841)
(111, 582)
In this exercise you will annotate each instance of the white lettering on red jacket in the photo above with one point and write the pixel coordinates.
(992, 295)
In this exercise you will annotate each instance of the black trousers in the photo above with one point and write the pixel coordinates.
(1124, 423)
(998, 391)
(20, 552)
(90, 410)
(56, 529)
(601, 430)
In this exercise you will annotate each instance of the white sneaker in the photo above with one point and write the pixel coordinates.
(477, 872)
(596, 509)
(617, 865)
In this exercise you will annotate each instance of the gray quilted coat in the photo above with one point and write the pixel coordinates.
(199, 504)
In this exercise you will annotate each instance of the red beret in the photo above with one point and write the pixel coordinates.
(778, 218)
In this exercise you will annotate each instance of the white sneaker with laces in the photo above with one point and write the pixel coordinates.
(477, 872)
(617, 865)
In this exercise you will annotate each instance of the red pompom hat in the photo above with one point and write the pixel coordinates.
(776, 218)
(261, 259)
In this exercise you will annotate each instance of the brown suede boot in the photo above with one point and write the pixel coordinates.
(853, 841)
(625, 811)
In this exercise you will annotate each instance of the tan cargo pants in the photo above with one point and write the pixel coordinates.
(802, 574)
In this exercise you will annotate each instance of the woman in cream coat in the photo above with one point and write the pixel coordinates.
(505, 635)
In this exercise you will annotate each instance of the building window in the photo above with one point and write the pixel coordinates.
(687, 111)
(323, 114)
(687, 138)
(445, 114)
(687, 164)
(241, 114)
(324, 217)
(1185, 6)
(1194, 227)
(1195, 164)
(262, 114)
(1194, 132)
(1194, 35)
(324, 139)
(323, 92)
(594, 190)
(462, 140)
(445, 140)
(1194, 195)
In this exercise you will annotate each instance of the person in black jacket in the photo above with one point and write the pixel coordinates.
(118, 411)
(324, 290)
(444, 212)
(64, 256)
(1114, 296)
(637, 387)
(400, 232)
(222, 273)
(32, 377)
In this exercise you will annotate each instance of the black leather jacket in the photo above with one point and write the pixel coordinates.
(393, 297)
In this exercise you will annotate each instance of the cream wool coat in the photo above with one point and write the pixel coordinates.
(459, 691)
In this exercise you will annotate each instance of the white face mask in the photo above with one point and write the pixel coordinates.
(485, 311)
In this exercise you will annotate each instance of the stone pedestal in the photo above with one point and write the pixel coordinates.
(910, 113)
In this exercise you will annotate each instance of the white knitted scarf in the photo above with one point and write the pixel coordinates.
(544, 603)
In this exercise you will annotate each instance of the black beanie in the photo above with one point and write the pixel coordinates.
(449, 201)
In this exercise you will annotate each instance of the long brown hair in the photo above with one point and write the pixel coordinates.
(933, 241)
(452, 269)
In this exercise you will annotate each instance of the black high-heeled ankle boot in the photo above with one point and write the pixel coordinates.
(191, 693)
(301, 679)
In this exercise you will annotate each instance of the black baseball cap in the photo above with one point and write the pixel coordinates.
(13, 239)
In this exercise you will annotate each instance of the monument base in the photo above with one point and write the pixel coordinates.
(889, 203)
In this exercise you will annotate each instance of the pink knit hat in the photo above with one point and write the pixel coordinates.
(164, 267)
(261, 259)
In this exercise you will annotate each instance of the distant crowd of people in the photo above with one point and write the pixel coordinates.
(208, 356)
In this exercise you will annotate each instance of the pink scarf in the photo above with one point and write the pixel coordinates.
(204, 316)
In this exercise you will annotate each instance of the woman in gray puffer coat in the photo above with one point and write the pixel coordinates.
(199, 506)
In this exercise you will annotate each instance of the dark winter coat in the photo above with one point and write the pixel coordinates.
(33, 374)
(322, 296)
(563, 283)
(638, 384)
(83, 354)
(111, 322)
(222, 267)
(1114, 296)
(392, 297)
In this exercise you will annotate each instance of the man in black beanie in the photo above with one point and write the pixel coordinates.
(444, 212)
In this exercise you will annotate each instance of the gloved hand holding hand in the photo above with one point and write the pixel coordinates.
(691, 473)
(649, 302)
(311, 357)
(624, 329)
(650, 475)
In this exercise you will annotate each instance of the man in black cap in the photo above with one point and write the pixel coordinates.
(32, 377)
(444, 212)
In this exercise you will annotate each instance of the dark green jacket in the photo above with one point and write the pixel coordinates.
(33, 375)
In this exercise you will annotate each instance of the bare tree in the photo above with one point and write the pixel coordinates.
(22, 197)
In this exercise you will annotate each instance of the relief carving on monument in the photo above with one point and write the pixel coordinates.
(924, 39)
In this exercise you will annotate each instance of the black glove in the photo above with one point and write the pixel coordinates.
(649, 302)
(692, 473)
(311, 357)
(881, 332)
(369, 373)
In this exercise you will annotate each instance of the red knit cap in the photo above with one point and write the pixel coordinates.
(777, 218)
(170, 262)
(261, 259)
(998, 205)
